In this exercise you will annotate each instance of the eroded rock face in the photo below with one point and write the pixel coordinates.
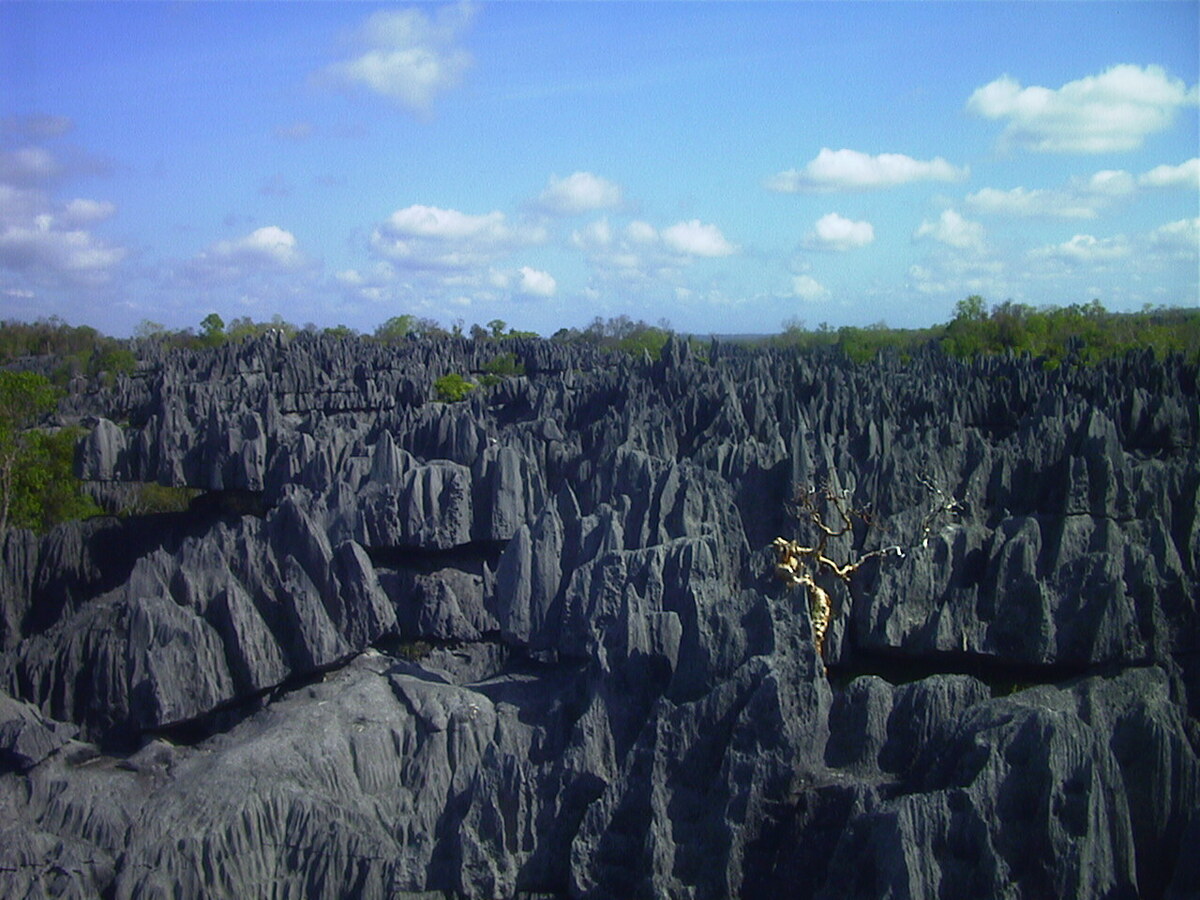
(531, 644)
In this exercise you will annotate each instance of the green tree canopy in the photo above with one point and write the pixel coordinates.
(452, 388)
(396, 328)
(212, 330)
(24, 399)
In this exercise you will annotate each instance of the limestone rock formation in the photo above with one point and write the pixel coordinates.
(531, 644)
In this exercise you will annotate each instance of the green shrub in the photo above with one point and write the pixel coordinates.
(452, 388)
(414, 651)
(108, 361)
(503, 366)
(45, 491)
(153, 497)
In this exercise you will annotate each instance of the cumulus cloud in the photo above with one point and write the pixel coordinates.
(1082, 198)
(834, 232)
(28, 166)
(406, 55)
(579, 193)
(593, 236)
(535, 283)
(447, 224)
(694, 238)
(42, 239)
(1103, 113)
(21, 205)
(270, 245)
(633, 253)
(1184, 175)
(644, 261)
(1084, 248)
(641, 232)
(849, 170)
(805, 287)
(1177, 240)
(953, 275)
(1109, 183)
(953, 230)
(81, 211)
(1027, 202)
(269, 250)
(429, 237)
(49, 251)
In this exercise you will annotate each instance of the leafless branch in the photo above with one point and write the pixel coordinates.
(800, 565)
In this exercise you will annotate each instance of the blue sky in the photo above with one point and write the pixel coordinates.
(724, 166)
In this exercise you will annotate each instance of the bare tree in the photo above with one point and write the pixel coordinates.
(828, 514)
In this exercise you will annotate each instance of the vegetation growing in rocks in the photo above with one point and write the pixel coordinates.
(506, 365)
(452, 388)
(38, 488)
(152, 497)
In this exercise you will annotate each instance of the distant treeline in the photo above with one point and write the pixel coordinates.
(1081, 333)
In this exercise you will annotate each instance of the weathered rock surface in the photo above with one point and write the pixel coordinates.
(530, 644)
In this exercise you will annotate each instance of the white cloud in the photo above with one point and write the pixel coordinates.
(808, 288)
(28, 166)
(430, 237)
(266, 254)
(641, 232)
(953, 230)
(955, 276)
(579, 193)
(270, 246)
(694, 238)
(85, 212)
(46, 241)
(535, 283)
(1031, 203)
(640, 262)
(1178, 240)
(593, 236)
(407, 56)
(1184, 175)
(1112, 111)
(840, 170)
(834, 232)
(1109, 183)
(47, 252)
(21, 205)
(447, 224)
(1082, 198)
(1084, 248)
